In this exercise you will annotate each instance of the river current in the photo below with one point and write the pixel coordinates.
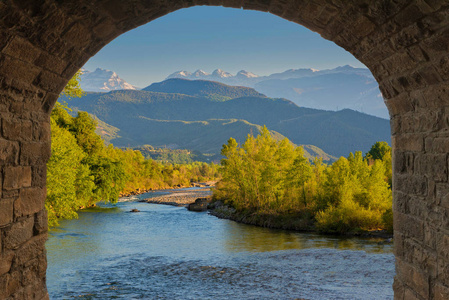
(167, 252)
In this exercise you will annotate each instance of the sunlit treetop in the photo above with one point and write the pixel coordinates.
(73, 88)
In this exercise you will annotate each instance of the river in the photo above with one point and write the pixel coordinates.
(167, 252)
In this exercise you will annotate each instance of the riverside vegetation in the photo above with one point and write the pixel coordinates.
(271, 183)
(266, 181)
(83, 171)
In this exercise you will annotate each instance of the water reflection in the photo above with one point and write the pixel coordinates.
(170, 253)
(240, 237)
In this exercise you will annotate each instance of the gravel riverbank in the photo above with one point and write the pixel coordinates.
(180, 198)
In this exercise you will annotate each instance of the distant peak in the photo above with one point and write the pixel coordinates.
(221, 73)
(179, 74)
(345, 67)
(247, 74)
(200, 72)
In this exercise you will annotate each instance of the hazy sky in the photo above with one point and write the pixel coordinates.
(208, 38)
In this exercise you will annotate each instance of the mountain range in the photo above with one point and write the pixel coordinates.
(102, 80)
(330, 89)
(203, 115)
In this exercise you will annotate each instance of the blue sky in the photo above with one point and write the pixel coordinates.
(208, 38)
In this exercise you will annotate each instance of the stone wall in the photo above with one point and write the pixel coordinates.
(405, 43)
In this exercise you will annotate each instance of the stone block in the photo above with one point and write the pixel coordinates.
(430, 237)
(14, 70)
(408, 142)
(6, 211)
(9, 152)
(3, 282)
(33, 251)
(437, 144)
(42, 131)
(18, 233)
(409, 226)
(16, 177)
(442, 194)
(410, 295)
(21, 49)
(35, 153)
(39, 175)
(400, 104)
(398, 243)
(412, 13)
(41, 222)
(414, 278)
(11, 178)
(11, 129)
(441, 292)
(80, 34)
(410, 184)
(403, 162)
(398, 287)
(443, 247)
(6, 262)
(437, 44)
(400, 203)
(105, 30)
(25, 178)
(51, 62)
(443, 270)
(50, 82)
(433, 166)
(430, 75)
(13, 283)
(49, 101)
(26, 133)
(13, 194)
(30, 201)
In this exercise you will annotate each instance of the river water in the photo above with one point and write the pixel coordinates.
(167, 252)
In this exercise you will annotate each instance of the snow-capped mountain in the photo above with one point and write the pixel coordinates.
(330, 89)
(221, 74)
(246, 74)
(102, 80)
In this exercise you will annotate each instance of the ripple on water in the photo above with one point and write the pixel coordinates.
(166, 252)
(308, 274)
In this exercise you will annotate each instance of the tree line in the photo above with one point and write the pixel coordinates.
(273, 178)
(83, 171)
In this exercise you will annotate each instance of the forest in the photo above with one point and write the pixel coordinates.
(83, 171)
(264, 177)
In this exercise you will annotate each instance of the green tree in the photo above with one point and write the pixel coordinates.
(378, 151)
(68, 183)
(73, 88)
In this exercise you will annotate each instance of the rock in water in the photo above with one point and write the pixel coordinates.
(135, 210)
(199, 205)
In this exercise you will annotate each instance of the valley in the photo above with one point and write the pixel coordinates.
(202, 115)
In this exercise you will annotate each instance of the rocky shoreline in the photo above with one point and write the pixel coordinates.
(143, 191)
(294, 223)
(180, 198)
(217, 209)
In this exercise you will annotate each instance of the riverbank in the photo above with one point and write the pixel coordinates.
(193, 184)
(180, 197)
(297, 222)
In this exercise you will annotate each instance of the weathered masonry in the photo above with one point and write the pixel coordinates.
(405, 43)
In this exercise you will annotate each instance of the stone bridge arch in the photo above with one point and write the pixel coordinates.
(405, 43)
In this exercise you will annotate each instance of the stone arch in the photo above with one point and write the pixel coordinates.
(404, 43)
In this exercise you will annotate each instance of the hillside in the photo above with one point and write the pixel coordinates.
(199, 123)
(202, 88)
(330, 89)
